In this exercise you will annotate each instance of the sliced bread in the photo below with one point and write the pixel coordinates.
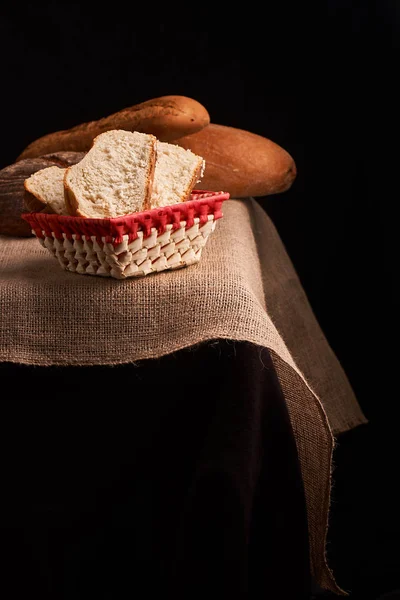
(44, 191)
(115, 177)
(177, 172)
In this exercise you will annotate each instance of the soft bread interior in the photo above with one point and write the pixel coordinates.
(123, 173)
(48, 187)
(114, 178)
(177, 172)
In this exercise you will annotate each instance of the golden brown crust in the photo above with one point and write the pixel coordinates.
(167, 117)
(240, 162)
(150, 177)
(193, 181)
(71, 203)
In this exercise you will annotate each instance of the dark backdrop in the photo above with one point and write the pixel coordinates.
(319, 80)
(304, 78)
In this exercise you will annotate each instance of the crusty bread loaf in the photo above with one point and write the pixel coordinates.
(12, 189)
(177, 172)
(114, 178)
(44, 191)
(166, 117)
(241, 163)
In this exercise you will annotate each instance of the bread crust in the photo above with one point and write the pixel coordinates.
(166, 117)
(193, 181)
(150, 176)
(71, 202)
(240, 162)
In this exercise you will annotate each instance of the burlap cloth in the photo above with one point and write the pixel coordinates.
(244, 288)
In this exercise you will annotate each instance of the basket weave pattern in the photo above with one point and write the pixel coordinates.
(170, 250)
(134, 245)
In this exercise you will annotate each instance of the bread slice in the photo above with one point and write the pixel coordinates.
(114, 178)
(44, 191)
(177, 172)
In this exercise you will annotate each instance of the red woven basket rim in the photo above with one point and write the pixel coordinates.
(202, 203)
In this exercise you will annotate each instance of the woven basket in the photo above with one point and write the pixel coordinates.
(133, 245)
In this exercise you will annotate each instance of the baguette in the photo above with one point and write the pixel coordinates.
(241, 163)
(12, 191)
(167, 118)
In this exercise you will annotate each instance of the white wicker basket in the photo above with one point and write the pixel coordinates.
(133, 245)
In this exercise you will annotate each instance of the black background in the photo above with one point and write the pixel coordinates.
(319, 80)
